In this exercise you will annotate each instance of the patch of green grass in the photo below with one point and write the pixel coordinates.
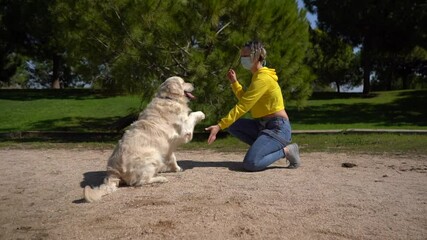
(98, 111)
(224, 144)
(10, 144)
(358, 143)
(393, 109)
(89, 110)
(363, 143)
(342, 143)
(63, 111)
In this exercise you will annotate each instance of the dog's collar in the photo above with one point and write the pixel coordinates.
(168, 98)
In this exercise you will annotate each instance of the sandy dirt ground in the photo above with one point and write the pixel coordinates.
(382, 197)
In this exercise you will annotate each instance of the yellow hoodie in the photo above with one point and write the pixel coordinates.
(263, 97)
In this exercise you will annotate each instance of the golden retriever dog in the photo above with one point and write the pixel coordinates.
(148, 146)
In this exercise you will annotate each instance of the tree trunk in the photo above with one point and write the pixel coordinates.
(389, 80)
(366, 80)
(56, 84)
(406, 78)
(367, 67)
(338, 87)
(405, 82)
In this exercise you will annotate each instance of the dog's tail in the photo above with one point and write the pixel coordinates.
(111, 183)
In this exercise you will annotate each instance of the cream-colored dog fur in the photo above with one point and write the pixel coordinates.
(148, 146)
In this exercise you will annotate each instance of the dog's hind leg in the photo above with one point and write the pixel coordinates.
(148, 175)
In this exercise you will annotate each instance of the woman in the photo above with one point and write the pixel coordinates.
(269, 133)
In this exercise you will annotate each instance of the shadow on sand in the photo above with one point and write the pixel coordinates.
(96, 178)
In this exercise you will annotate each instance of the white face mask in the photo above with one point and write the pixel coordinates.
(246, 62)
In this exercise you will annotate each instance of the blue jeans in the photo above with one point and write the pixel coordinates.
(266, 137)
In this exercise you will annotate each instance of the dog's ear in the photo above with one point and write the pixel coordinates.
(175, 88)
(170, 89)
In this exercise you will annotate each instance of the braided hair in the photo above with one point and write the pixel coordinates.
(258, 51)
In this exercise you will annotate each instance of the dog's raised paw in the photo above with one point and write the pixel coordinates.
(199, 115)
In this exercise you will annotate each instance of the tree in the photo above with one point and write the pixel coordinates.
(402, 71)
(332, 60)
(32, 29)
(378, 27)
(9, 60)
(140, 43)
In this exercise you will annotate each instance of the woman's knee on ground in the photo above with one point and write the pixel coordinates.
(252, 166)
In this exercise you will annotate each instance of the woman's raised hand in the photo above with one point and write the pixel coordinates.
(231, 75)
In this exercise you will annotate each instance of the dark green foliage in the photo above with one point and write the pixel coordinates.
(385, 30)
(333, 61)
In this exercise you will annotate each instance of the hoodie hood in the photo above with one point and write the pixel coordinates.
(268, 71)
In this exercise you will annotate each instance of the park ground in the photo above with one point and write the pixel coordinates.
(377, 196)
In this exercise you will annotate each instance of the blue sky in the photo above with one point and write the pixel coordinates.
(312, 18)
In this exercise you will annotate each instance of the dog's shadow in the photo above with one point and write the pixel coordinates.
(92, 179)
(96, 178)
